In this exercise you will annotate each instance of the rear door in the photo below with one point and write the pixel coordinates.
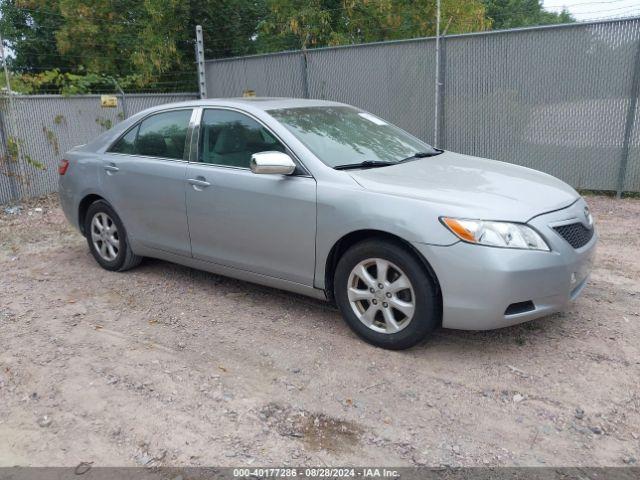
(144, 177)
(264, 224)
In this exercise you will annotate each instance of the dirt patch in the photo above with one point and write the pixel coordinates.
(317, 430)
(169, 366)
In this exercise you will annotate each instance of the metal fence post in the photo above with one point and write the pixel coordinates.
(5, 128)
(202, 82)
(441, 139)
(305, 73)
(122, 95)
(10, 173)
(629, 123)
(124, 104)
(436, 116)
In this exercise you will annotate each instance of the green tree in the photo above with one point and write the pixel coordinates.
(149, 40)
(102, 36)
(31, 32)
(229, 27)
(152, 37)
(522, 13)
(292, 24)
(76, 46)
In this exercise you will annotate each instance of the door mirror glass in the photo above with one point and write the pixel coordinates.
(275, 163)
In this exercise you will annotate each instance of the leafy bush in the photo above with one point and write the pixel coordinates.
(55, 81)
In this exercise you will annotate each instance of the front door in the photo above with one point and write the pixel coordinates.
(144, 177)
(264, 224)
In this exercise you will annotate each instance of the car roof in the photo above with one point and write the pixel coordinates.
(252, 103)
(271, 103)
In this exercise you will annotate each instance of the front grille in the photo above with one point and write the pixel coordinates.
(576, 234)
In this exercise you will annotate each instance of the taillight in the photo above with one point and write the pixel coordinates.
(63, 167)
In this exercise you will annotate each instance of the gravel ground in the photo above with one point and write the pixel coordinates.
(164, 365)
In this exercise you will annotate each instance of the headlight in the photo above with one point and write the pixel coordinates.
(496, 234)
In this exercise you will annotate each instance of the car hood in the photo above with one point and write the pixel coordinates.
(471, 186)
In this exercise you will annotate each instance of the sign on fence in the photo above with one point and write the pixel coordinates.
(108, 101)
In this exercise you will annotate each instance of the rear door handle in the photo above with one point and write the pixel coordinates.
(111, 168)
(199, 182)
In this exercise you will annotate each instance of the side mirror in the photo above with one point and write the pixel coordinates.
(275, 163)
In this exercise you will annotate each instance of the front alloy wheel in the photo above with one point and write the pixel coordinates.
(381, 295)
(385, 294)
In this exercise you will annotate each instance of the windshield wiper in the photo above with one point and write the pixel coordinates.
(365, 164)
(436, 151)
(382, 163)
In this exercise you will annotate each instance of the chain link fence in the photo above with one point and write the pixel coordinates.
(561, 99)
(36, 130)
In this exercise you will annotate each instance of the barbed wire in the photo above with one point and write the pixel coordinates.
(627, 13)
(48, 68)
(459, 23)
(512, 13)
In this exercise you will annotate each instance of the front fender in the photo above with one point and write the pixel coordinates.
(344, 209)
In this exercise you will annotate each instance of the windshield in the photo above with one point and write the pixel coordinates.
(345, 135)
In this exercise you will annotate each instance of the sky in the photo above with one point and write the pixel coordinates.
(585, 10)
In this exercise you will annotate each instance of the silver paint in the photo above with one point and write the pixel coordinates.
(279, 230)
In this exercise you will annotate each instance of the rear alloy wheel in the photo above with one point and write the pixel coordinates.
(385, 295)
(107, 238)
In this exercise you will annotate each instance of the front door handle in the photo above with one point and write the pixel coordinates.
(199, 182)
(111, 168)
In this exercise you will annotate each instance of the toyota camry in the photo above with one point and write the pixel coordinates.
(324, 199)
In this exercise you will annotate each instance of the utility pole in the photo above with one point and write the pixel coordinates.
(437, 93)
(4, 65)
(202, 82)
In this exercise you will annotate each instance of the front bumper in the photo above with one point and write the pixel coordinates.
(479, 283)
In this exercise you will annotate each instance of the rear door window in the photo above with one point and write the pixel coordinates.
(163, 135)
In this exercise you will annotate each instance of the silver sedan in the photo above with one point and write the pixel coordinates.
(324, 199)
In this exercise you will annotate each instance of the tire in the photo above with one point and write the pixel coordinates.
(390, 328)
(119, 256)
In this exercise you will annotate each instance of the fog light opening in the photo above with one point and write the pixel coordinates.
(520, 307)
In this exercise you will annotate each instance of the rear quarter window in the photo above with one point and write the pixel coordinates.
(126, 144)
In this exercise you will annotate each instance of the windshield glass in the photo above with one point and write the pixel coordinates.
(345, 135)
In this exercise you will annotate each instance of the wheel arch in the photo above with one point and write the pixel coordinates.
(350, 239)
(83, 206)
